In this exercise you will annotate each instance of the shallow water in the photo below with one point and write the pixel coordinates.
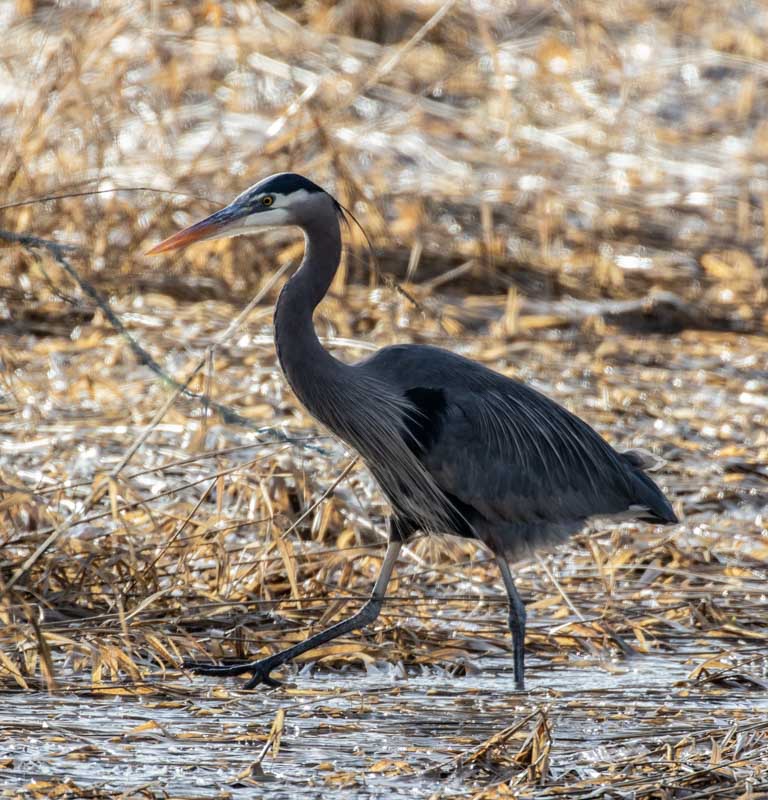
(381, 733)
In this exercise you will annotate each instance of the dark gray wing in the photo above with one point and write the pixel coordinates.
(517, 458)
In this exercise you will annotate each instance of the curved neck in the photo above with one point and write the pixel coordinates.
(304, 361)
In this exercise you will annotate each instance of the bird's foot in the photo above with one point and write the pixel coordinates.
(259, 670)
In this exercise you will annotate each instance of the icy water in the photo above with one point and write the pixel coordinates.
(381, 734)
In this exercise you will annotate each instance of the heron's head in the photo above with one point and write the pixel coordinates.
(282, 199)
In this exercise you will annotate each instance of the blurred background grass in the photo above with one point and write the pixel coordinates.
(588, 149)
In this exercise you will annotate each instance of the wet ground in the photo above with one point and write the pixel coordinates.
(386, 734)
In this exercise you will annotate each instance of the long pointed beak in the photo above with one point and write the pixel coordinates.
(209, 228)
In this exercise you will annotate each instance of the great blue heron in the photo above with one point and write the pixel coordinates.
(455, 447)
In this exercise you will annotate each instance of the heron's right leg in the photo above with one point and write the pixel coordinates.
(367, 614)
(517, 618)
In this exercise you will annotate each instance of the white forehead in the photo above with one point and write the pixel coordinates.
(297, 196)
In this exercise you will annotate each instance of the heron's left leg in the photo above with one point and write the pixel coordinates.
(367, 614)
(517, 618)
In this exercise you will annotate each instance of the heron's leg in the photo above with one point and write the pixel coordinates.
(517, 618)
(364, 616)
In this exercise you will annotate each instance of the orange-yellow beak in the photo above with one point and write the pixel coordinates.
(211, 227)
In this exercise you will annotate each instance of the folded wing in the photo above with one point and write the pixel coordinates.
(517, 458)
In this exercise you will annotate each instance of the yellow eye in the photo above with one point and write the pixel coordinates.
(267, 201)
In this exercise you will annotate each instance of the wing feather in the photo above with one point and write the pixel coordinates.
(501, 454)
(519, 457)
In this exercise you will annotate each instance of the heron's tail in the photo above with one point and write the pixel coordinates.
(656, 507)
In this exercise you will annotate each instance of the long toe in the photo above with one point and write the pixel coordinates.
(223, 670)
(261, 676)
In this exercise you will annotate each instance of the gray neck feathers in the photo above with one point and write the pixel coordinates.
(352, 402)
(308, 368)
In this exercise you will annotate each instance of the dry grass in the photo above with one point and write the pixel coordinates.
(575, 195)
